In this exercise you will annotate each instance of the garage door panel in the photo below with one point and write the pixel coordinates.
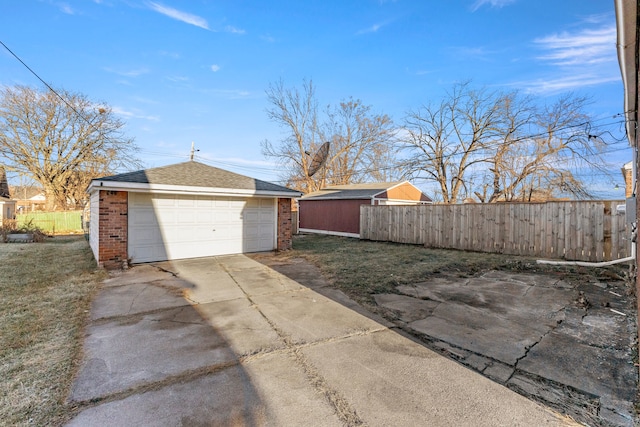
(165, 227)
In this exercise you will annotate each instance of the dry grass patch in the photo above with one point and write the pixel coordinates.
(362, 268)
(45, 295)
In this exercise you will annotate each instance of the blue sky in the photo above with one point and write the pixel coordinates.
(183, 71)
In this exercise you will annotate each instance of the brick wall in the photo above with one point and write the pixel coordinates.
(285, 227)
(112, 231)
(628, 181)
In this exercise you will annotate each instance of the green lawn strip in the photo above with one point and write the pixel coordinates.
(45, 295)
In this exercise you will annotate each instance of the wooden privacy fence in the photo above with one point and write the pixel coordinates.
(575, 230)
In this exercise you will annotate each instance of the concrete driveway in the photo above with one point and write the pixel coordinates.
(229, 341)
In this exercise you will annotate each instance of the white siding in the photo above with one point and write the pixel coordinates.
(94, 203)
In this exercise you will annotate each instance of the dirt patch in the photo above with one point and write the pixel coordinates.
(562, 336)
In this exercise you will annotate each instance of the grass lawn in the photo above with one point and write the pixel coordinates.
(45, 295)
(362, 268)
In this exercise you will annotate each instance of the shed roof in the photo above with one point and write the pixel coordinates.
(352, 191)
(189, 174)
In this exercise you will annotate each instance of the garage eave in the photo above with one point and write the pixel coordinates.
(186, 190)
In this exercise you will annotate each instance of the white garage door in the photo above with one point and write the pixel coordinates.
(165, 227)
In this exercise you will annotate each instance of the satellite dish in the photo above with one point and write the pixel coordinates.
(318, 159)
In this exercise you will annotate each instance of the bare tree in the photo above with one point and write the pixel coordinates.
(361, 142)
(297, 112)
(541, 149)
(447, 140)
(500, 146)
(61, 140)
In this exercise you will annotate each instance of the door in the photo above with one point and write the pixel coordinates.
(165, 226)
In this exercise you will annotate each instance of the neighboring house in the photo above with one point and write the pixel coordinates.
(336, 209)
(627, 173)
(7, 206)
(185, 210)
(29, 198)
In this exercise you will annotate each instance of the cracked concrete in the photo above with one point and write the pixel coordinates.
(228, 341)
(526, 331)
(532, 326)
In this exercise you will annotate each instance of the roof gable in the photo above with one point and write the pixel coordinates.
(378, 190)
(195, 174)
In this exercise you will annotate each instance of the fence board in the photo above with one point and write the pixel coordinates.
(574, 230)
(53, 222)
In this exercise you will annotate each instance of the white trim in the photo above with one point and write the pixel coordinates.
(183, 189)
(275, 225)
(332, 233)
(401, 202)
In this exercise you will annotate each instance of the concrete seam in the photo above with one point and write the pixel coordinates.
(341, 406)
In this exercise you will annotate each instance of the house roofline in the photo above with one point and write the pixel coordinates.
(183, 189)
(626, 23)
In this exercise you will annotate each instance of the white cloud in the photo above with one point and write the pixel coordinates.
(577, 59)
(229, 93)
(493, 3)
(128, 73)
(372, 29)
(178, 79)
(134, 114)
(565, 83)
(585, 47)
(65, 8)
(178, 15)
(234, 30)
(215, 68)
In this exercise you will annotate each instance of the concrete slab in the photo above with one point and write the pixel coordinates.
(479, 331)
(125, 353)
(209, 281)
(310, 276)
(135, 298)
(290, 397)
(306, 316)
(408, 309)
(257, 279)
(391, 381)
(143, 273)
(225, 398)
(270, 390)
(256, 348)
(245, 330)
(593, 370)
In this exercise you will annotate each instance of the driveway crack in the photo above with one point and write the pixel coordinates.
(343, 409)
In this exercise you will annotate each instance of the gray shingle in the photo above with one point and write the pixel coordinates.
(350, 191)
(195, 174)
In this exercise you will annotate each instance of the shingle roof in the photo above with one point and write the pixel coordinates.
(351, 191)
(196, 174)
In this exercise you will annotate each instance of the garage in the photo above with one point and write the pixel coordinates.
(167, 226)
(187, 210)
